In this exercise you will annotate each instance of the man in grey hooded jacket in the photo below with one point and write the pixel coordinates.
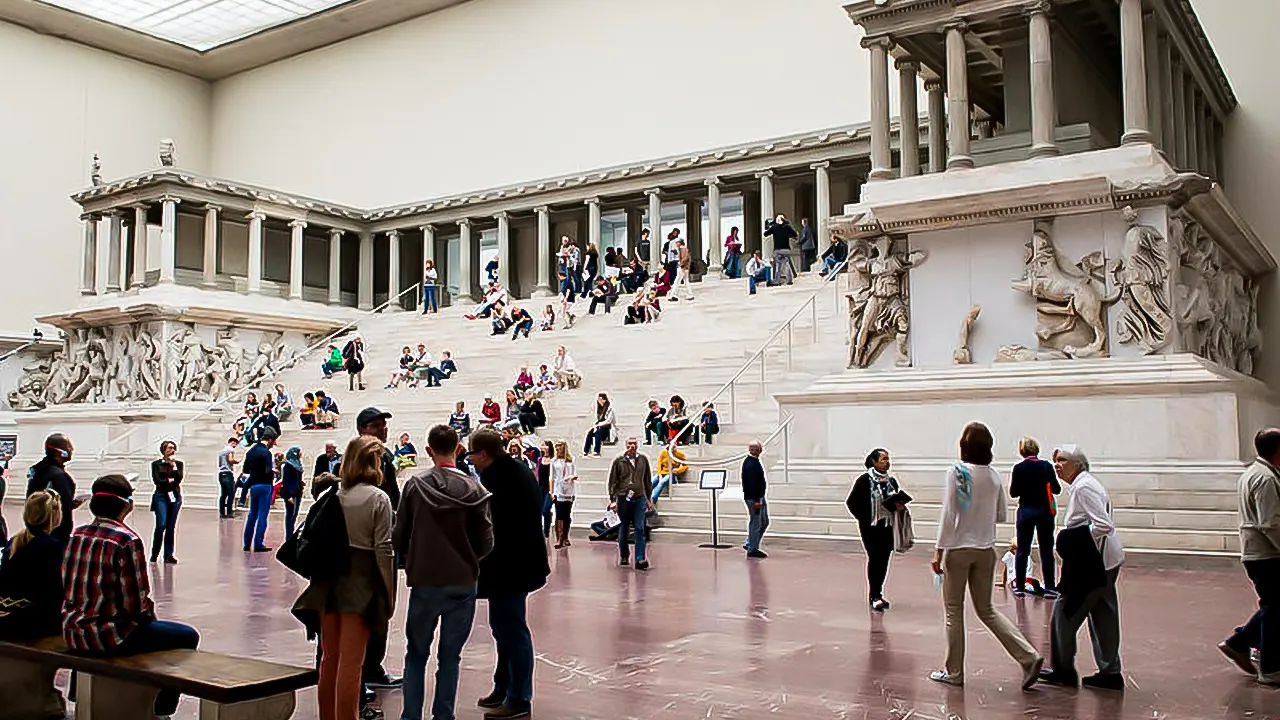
(442, 531)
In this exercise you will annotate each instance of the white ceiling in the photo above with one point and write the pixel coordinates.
(212, 39)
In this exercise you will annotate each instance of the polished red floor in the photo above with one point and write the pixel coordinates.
(707, 634)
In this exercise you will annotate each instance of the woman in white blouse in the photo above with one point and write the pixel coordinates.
(564, 479)
(973, 502)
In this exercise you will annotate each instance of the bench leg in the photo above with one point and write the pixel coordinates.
(102, 698)
(28, 692)
(276, 707)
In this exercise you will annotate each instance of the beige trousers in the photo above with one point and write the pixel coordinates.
(976, 568)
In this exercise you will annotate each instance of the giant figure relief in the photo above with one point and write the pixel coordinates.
(1071, 299)
(1143, 279)
(1217, 304)
(138, 363)
(879, 305)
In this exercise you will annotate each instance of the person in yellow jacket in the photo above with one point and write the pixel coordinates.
(669, 470)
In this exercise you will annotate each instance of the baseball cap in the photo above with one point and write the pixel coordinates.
(370, 415)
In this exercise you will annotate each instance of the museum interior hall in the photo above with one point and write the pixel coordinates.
(898, 336)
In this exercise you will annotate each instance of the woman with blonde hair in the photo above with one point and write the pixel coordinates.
(359, 600)
(564, 478)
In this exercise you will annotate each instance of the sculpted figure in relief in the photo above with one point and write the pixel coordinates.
(167, 150)
(1076, 294)
(32, 386)
(1217, 304)
(232, 356)
(146, 365)
(878, 310)
(962, 355)
(1143, 281)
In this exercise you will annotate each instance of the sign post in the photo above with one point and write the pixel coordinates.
(714, 480)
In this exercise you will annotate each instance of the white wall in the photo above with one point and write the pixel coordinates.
(499, 91)
(59, 103)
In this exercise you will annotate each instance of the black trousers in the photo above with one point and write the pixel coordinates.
(877, 540)
(1263, 629)
(1039, 522)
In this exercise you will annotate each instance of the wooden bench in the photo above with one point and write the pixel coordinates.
(125, 688)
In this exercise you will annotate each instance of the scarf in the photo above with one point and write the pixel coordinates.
(602, 411)
(294, 458)
(964, 486)
(882, 486)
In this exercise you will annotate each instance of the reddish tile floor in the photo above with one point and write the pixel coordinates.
(708, 634)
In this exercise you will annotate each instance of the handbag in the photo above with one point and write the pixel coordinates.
(904, 535)
(320, 547)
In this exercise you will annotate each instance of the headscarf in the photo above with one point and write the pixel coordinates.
(964, 486)
(294, 458)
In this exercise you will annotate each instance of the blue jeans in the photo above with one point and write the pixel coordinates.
(595, 436)
(733, 265)
(291, 506)
(631, 512)
(513, 677)
(227, 494)
(453, 608)
(330, 368)
(158, 636)
(429, 301)
(757, 523)
(660, 483)
(761, 276)
(166, 511)
(546, 515)
(255, 526)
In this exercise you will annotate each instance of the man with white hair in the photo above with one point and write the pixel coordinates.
(1089, 507)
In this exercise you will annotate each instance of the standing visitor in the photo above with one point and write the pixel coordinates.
(684, 266)
(51, 474)
(630, 486)
(107, 609)
(516, 567)
(353, 362)
(260, 476)
(329, 461)
(430, 302)
(783, 233)
(564, 480)
(291, 488)
(591, 265)
(866, 502)
(965, 556)
(1034, 484)
(808, 245)
(1087, 524)
(359, 600)
(166, 500)
(599, 432)
(1259, 494)
(544, 485)
(227, 462)
(733, 255)
(753, 490)
(442, 530)
(644, 247)
(491, 269)
(372, 422)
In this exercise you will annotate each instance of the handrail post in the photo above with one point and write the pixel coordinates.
(813, 305)
(790, 343)
(733, 401)
(786, 453)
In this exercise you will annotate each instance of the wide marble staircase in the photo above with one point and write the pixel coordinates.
(695, 350)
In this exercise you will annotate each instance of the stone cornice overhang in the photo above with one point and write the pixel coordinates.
(107, 315)
(839, 143)
(910, 17)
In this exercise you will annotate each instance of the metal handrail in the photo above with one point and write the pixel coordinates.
(237, 394)
(783, 430)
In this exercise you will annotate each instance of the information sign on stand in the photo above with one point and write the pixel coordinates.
(714, 480)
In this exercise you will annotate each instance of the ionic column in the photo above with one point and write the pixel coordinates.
(364, 294)
(295, 258)
(140, 249)
(822, 197)
(168, 236)
(1179, 153)
(464, 258)
(715, 241)
(693, 227)
(593, 221)
(1169, 117)
(89, 266)
(937, 126)
(909, 116)
(335, 266)
(254, 281)
(655, 230)
(958, 129)
(1189, 120)
(212, 224)
(504, 250)
(544, 251)
(1151, 50)
(766, 212)
(393, 270)
(1043, 108)
(114, 250)
(881, 156)
(1137, 127)
(100, 258)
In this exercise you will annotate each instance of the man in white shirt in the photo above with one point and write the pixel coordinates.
(1259, 495)
(1089, 506)
(566, 373)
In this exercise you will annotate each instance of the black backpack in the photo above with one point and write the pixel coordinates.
(319, 549)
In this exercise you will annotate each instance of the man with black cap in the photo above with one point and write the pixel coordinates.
(51, 474)
(373, 422)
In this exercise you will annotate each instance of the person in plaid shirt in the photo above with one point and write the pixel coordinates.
(108, 610)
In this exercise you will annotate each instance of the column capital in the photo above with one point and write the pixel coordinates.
(959, 25)
(393, 233)
(213, 207)
(713, 182)
(256, 215)
(907, 63)
(89, 217)
(823, 165)
(298, 224)
(1037, 7)
(112, 213)
(764, 174)
(335, 233)
(933, 85)
(465, 223)
(542, 209)
(428, 228)
(139, 206)
(651, 192)
(880, 41)
(503, 215)
(592, 201)
(174, 199)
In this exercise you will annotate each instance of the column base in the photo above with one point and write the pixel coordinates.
(880, 174)
(295, 297)
(1045, 150)
(88, 291)
(959, 162)
(1132, 137)
(543, 291)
